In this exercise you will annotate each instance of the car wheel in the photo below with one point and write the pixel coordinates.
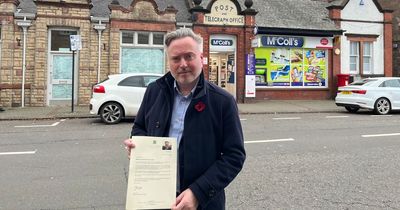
(382, 106)
(351, 109)
(111, 113)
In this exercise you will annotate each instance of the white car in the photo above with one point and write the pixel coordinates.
(381, 94)
(120, 95)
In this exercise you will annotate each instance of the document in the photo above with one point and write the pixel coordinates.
(152, 173)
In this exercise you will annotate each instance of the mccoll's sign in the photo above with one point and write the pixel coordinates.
(282, 41)
(292, 41)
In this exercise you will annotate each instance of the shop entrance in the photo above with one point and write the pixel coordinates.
(222, 71)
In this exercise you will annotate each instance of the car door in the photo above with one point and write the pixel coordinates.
(131, 91)
(396, 94)
(392, 90)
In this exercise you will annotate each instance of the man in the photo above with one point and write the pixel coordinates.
(204, 119)
(166, 146)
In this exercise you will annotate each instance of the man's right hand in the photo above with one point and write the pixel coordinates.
(129, 144)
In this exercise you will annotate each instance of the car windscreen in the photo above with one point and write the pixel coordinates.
(364, 82)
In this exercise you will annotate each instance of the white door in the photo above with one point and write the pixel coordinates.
(59, 86)
(60, 81)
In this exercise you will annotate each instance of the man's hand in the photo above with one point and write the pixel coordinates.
(128, 146)
(186, 201)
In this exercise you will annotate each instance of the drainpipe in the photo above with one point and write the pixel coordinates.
(99, 27)
(24, 24)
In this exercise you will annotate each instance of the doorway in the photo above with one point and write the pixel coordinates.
(59, 85)
(222, 71)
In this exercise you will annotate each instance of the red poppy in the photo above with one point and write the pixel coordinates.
(200, 106)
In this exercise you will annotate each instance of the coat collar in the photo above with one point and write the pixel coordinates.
(167, 82)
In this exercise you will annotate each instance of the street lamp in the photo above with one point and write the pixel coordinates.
(24, 24)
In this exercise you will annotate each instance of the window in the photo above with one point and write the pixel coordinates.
(361, 54)
(354, 57)
(127, 38)
(133, 38)
(158, 39)
(60, 40)
(142, 52)
(143, 38)
(391, 83)
(149, 79)
(134, 81)
(367, 58)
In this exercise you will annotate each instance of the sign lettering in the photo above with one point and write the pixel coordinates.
(223, 12)
(282, 41)
(221, 42)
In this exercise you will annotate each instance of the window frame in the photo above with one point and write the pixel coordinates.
(136, 39)
(356, 55)
(361, 40)
(136, 45)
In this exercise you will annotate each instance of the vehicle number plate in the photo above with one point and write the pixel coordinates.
(346, 92)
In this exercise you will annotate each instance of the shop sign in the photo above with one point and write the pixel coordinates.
(221, 42)
(223, 12)
(261, 62)
(282, 41)
(250, 86)
(250, 64)
(290, 41)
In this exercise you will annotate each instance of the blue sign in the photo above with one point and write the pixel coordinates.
(250, 64)
(221, 42)
(282, 41)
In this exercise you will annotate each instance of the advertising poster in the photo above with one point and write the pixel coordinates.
(315, 63)
(291, 67)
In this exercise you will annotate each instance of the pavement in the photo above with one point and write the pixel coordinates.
(255, 107)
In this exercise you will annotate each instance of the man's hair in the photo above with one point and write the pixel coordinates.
(182, 33)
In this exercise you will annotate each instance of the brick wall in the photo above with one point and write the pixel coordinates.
(8, 43)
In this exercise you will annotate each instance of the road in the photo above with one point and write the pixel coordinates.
(294, 161)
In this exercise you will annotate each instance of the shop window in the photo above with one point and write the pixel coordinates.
(142, 52)
(291, 67)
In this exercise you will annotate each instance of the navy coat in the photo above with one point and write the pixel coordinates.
(212, 138)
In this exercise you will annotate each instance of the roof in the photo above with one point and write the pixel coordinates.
(100, 8)
(342, 3)
(27, 6)
(272, 14)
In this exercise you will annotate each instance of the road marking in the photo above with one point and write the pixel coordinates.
(243, 119)
(381, 135)
(37, 126)
(287, 118)
(339, 116)
(18, 153)
(268, 141)
(386, 115)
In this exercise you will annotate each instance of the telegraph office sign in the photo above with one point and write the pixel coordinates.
(223, 12)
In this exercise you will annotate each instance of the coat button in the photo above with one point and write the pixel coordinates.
(157, 124)
(211, 193)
